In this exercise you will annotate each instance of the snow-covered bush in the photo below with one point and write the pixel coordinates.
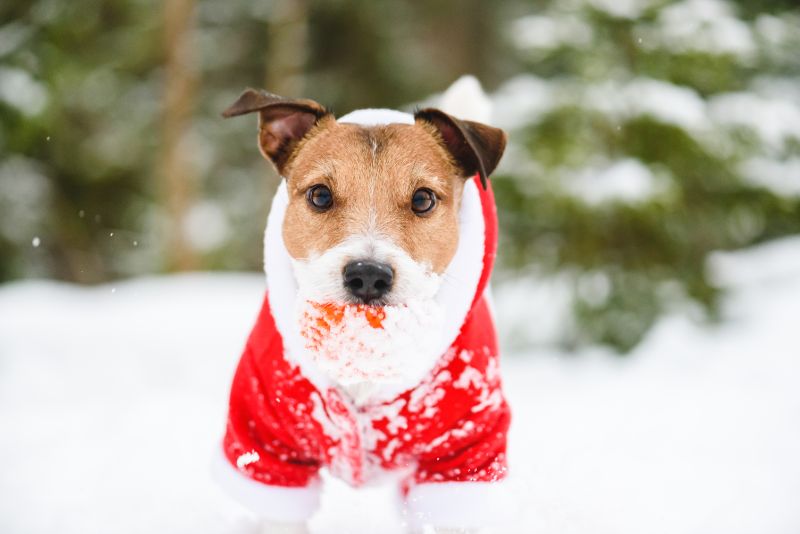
(644, 135)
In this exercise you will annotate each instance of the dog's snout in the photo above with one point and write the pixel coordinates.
(368, 280)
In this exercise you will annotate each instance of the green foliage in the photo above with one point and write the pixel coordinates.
(632, 259)
(80, 155)
(81, 132)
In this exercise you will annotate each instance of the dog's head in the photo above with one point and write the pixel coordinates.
(373, 210)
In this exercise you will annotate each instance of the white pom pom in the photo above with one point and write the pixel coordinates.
(465, 99)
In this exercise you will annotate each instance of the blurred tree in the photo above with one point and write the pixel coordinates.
(288, 41)
(645, 136)
(176, 172)
(116, 158)
(79, 96)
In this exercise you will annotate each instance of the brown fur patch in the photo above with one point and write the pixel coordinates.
(373, 173)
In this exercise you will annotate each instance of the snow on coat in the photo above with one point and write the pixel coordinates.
(287, 420)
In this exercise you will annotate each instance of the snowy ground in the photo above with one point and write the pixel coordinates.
(113, 398)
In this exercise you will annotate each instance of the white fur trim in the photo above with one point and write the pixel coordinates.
(275, 503)
(282, 288)
(460, 504)
(377, 117)
(460, 279)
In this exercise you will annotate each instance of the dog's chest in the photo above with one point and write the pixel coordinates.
(435, 418)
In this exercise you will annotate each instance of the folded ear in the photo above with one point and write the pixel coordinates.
(475, 147)
(282, 122)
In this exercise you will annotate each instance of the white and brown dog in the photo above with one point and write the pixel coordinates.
(375, 349)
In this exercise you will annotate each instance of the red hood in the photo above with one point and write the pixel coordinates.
(489, 209)
(464, 280)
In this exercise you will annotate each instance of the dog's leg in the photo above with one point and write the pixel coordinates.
(274, 527)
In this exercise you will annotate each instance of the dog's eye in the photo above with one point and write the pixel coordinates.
(320, 197)
(423, 201)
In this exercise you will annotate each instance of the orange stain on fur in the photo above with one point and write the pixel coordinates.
(329, 315)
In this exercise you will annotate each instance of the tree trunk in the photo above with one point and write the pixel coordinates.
(176, 172)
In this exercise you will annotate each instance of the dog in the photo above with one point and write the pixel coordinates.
(375, 349)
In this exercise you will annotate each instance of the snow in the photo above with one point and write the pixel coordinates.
(696, 432)
(772, 29)
(769, 110)
(773, 119)
(699, 26)
(706, 26)
(247, 459)
(628, 180)
(112, 405)
(782, 177)
(23, 190)
(537, 32)
(667, 102)
(206, 226)
(465, 99)
(12, 36)
(520, 100)
(629, 9)
(549, 297)
(780, 87)
(18, 89)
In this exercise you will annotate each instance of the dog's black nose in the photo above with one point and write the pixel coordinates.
(368, 280)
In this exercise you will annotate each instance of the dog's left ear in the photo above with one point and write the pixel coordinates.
(282, 122)
(475, 147)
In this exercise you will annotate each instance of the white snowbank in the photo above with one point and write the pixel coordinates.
(111, 404)
(696, 431)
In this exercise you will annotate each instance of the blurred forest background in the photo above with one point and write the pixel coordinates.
(645, 134)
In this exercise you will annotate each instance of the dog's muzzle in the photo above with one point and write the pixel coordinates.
(368, 280)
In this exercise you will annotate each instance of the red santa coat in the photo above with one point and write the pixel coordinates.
(448, 432)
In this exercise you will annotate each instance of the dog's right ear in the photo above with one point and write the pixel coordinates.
(282, 122)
